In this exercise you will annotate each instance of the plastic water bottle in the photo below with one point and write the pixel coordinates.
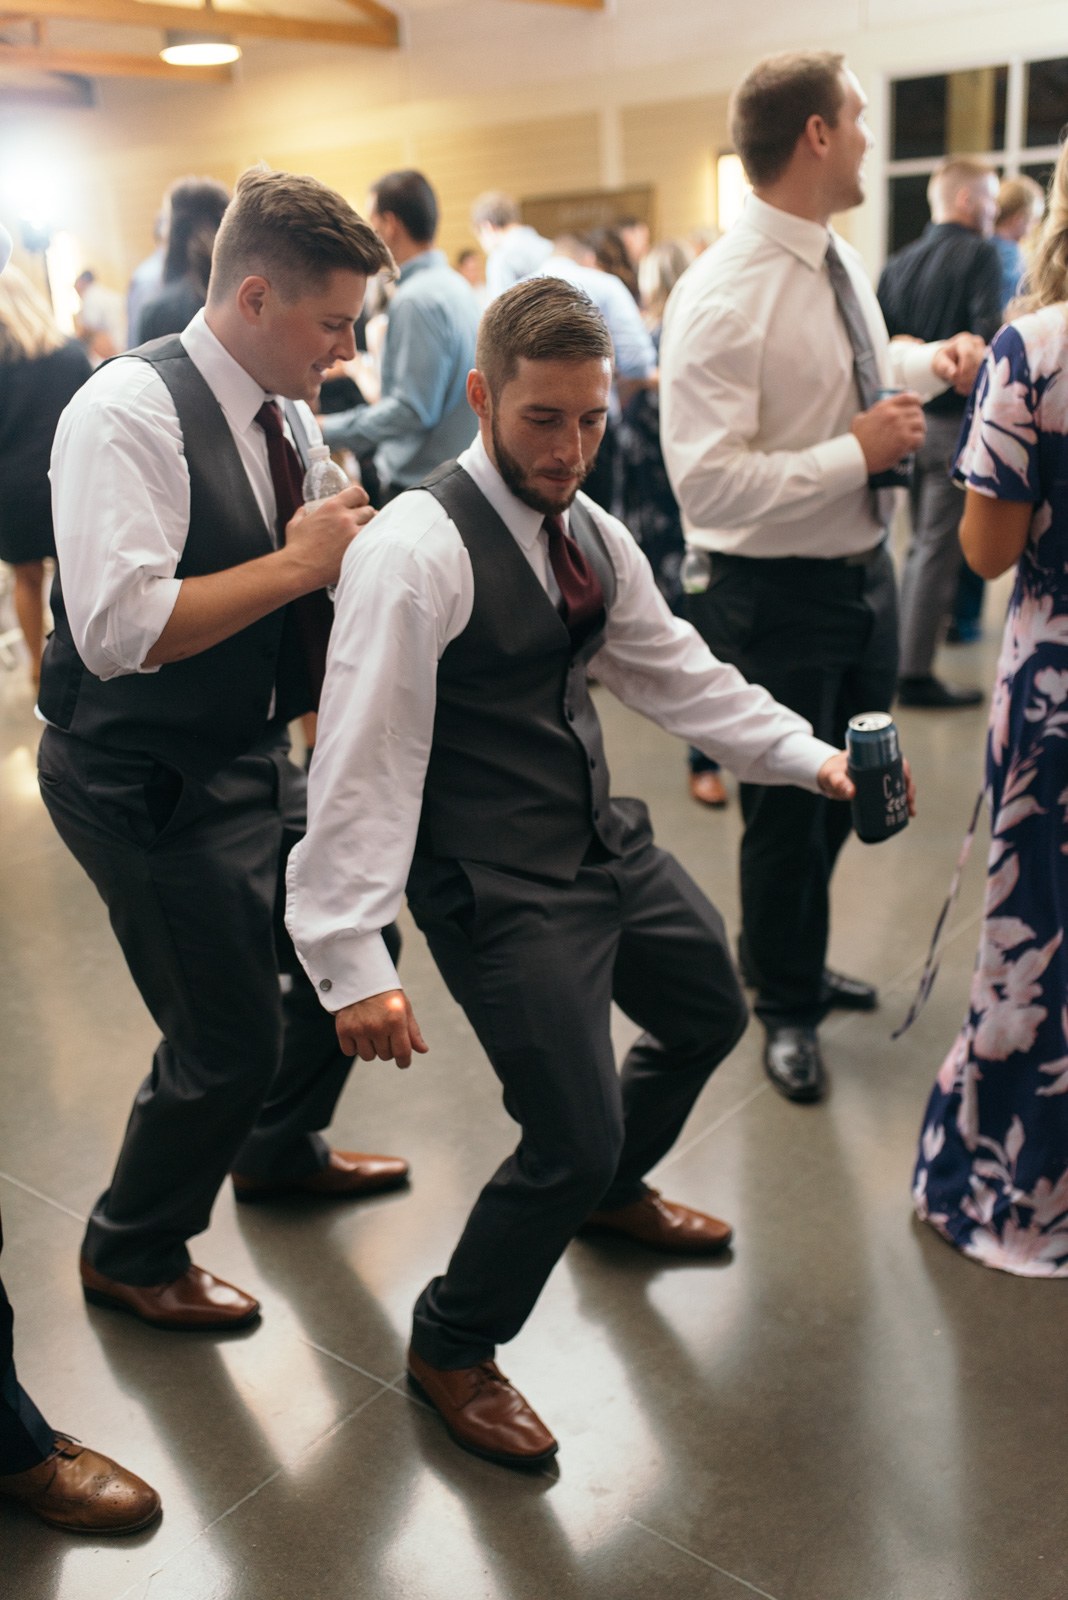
(324, 478)
(695, 573)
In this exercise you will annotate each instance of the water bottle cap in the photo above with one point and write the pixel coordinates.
(319, 452)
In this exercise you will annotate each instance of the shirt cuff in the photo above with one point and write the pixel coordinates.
(842, 464)
(799, 757)
(913, 369)
(350, 969)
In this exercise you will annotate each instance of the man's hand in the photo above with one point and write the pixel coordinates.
(316, 540)
(959, 360)
(836, 784)
(383, 1025)
(891, 429)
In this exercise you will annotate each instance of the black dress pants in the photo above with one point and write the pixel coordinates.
(245, 1075)
(25, 1437)
(821, 636)
(536, 965)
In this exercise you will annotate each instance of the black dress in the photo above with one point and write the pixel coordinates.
(33, 393)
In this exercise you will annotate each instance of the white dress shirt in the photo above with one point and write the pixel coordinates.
(406, 591)
(120, 496)
(757, 392)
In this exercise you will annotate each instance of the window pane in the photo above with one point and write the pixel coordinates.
(1047, 101)
(1041, 171)
(919, 117)
(909, 214)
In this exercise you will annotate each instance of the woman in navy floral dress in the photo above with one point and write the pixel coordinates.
(992, 1173)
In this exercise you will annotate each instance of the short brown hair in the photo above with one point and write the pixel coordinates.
(496, 208)
(543, 319)
(771, 106)
(1016, 195)
(953, 174)
(295, 232)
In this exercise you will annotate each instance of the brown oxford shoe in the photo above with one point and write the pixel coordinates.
(483, 1413)
(192, 1302)
(708, 789)
(83, 1492)
(663, 1225)
(348, 1175)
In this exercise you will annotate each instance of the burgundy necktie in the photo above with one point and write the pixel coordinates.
(581, 596)
(314, 612)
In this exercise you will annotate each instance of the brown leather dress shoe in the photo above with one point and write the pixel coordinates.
(195, 1301)
(348, 1175)
(708, 789)
(663, 1225)
(483, 1413)
(83, 1492)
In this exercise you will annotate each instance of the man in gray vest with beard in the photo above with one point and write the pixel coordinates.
(191, 627)
(459, 751)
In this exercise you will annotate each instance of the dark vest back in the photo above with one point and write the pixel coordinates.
(197, 714)
(517, 774)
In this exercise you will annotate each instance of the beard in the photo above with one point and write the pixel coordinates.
(519, 482)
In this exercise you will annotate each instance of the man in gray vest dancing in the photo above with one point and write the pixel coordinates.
(459, 750)
(191, 627)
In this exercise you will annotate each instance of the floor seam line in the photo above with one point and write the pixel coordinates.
(47, 1198)
(683, 1550)
(320, 1438)
(323, 1351)
(713, 1127)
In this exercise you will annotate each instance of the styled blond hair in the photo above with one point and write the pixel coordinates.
(1046, 278)
(27, 327)
(1016, 195)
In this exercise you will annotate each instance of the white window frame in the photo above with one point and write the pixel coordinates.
(1015, 153)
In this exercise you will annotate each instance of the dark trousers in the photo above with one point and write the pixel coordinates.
(536, 965)
(245, 1075)
(25, 1437)
(822, 637)
(932, 566)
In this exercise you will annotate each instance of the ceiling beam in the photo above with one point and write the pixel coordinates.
(101, 64)
(381, 33)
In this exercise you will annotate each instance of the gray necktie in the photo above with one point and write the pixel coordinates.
(865, 366)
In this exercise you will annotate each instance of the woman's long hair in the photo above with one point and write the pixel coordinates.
(28, 329)
(658, 274)
(1046, 278)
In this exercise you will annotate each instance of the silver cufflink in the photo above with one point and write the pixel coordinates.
(325, 985)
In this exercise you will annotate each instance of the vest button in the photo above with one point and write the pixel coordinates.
(325, 985)
(593, 762)
(570, 714)
(596, 815)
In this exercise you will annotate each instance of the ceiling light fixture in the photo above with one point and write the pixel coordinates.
(196, 47)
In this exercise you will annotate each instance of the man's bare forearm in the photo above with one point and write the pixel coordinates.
(219, 604)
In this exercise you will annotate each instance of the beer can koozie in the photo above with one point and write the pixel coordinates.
(880, 805)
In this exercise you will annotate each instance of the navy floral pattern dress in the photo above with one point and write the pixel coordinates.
(992, 1173)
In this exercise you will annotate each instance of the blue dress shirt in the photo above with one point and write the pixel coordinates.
(519, 255)
(423, 417)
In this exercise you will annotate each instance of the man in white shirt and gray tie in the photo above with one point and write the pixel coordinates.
(773, 356)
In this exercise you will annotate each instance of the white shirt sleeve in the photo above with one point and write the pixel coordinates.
(909, 366)
(659, 665)
(710, 413)
(405, 592)
(120, 504)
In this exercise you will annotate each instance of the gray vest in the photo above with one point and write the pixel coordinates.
(517, 774)
(198, 714)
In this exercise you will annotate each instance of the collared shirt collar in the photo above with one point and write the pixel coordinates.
(521, 520)
(425, 258)
(235, 389)
(804, 239)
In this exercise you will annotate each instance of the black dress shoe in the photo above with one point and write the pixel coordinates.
(793, 1062)
(932, 694)
(848, 994)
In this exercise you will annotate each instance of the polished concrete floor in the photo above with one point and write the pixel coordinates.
(843, 1410)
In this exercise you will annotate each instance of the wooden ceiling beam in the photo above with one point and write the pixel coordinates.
(105, 64)
(381, 33)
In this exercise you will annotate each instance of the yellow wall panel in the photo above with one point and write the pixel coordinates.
(674, 145)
